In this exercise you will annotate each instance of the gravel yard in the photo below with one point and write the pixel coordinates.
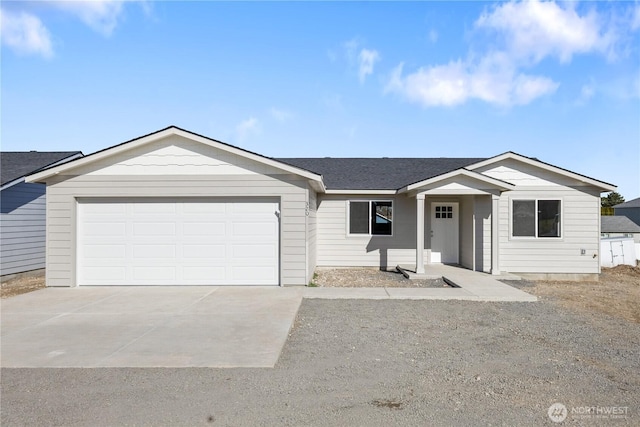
(371, 363)
(370, 278)
(22, 284)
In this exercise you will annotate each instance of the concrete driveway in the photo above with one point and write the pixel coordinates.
(147, 326)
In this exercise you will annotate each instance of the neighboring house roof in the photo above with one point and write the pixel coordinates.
(377, 173)
(15, 165)
(618, 224)
(635, 203)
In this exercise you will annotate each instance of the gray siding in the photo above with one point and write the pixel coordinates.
(466, 232)
(337, 249)
(22, 228)
(580, 230)
(63, 192)
(482, 210)
(312, 234)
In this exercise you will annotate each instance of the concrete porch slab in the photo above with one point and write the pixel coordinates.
(484, 287)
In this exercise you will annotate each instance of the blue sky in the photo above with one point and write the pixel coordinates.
(556, 81)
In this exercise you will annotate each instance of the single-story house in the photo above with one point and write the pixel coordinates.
(630, 209)
(619, 226)
(22, 209)
(177, 208)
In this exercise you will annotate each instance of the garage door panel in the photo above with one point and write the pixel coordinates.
(209, 252)
(153, 251)
(104, 229)
(252, 208)
(253, 229)
(105, 274)
(154, 229)
(243, 275)
(205, 275)
(204, 208)
(105, 251)
(103, 208)
(178, 243)
(202, 228)
(154, 273)
(258, 251)
(153, 208)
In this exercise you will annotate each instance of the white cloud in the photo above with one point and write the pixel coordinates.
(635, 21)
(534, 30)
(528, 32)
(280, 115)
(367, 58)
(361, 58)
(246, 128)
(25, 33)
(493, 80)
(351, 49)
(101, 15)
(433, 36)
(526, 88)
(587, 91)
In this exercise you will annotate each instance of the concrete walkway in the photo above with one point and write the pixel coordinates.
(471, 285)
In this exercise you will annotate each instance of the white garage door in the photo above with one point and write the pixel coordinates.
(168, 242)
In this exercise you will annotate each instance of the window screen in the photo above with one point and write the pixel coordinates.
(524, 218)
(359, 217)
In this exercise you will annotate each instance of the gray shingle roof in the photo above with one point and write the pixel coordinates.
(16, 164)
(377, 173)
(618, 224)
(635, 203)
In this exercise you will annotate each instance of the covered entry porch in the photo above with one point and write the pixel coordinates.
(458, 221)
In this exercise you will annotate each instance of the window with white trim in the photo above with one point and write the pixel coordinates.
(371, 217)
(539, 218)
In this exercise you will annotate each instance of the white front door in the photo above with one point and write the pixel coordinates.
(444, 233)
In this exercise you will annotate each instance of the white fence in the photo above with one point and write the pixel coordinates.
(618, 250)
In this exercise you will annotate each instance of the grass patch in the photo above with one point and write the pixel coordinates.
(312, 282)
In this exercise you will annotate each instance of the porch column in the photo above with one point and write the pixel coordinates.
(420, 234)
(495, 264)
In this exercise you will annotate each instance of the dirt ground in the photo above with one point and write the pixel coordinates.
(365, 277)
(617, 293)
(21, 285)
